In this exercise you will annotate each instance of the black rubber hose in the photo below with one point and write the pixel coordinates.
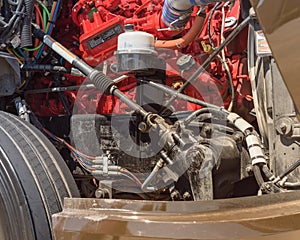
(268, 172)
(26, 33)
(209, 25)
(258, 177)
(6, 11)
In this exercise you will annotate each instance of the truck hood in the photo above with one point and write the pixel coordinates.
(280, 21)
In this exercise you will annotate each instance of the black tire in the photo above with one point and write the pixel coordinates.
(34, 180)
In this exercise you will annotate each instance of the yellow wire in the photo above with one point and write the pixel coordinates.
(19, 60)
(21, 85)
(9, 51)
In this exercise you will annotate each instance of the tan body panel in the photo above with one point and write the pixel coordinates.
(280, 21)
(267, 217)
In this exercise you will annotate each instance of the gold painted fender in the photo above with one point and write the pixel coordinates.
(267, 217)
(280, 22)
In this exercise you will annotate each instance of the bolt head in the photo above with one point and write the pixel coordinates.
(143, 127)
(249, 169)
(186, 196)
(283, 127)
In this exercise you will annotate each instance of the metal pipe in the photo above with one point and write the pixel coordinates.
(145, 187)
(290, 169)
(51, 68)
(59, 89)
(220, 112)
(68, 88)
(292, 184)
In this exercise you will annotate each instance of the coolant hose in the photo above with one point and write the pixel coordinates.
(26, 39)
(186, 39)
(176, 13)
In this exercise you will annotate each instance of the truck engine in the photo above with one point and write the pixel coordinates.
(150, 99)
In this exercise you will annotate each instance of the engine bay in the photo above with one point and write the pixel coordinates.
(151, 99)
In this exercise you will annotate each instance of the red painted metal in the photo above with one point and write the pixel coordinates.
(96, 24)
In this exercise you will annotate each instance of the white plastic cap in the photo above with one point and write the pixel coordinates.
(135, 42)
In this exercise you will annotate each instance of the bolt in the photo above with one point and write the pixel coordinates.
(3, 46)
(100, 193)
(94, 204)
(283, 127)
(175, 195)
(249, 169)
(143, 127)
(186, 196)
(207, 130)
(238, 137)
(268, 187)
(54, 62)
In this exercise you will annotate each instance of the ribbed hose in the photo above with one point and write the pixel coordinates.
(101, 81)
(176, 13)
(26, 38)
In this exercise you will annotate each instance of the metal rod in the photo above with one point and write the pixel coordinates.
(231, 36)
(290, 169)
(180, 95)
(59, 89)
(116, 92)
(69, 88)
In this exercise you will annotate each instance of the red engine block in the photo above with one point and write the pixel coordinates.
(97, 26)
(100, 30)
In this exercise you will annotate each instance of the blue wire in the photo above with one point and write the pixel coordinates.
(53, 18)
(38, 55)
(23, 55)
(81, 159)
(49, 31)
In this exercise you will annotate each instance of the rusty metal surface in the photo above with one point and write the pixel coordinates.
(280, 21)
(267, 217)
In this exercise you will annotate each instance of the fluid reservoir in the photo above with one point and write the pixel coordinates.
(135, 41)
(136, 51)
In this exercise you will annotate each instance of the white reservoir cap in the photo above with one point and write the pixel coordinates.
(135, 41)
